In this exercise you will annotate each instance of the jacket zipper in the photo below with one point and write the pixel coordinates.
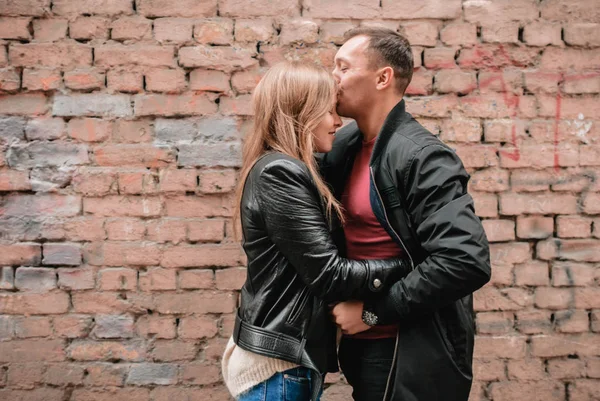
(389, 379)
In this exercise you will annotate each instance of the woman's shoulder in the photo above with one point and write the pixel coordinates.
(277, 163)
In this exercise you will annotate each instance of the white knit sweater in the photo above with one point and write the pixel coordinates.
(243, 370)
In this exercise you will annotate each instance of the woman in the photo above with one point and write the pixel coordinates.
(284, 340)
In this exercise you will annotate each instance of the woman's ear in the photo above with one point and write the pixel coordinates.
(385, 78)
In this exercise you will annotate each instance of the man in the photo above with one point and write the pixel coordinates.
(405, 193)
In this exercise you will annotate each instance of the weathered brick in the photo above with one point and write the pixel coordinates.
(79, 278)
(214, 31)
(146, 55)
(227, 154)
(110, 393)
(568, 274)
(534, 273)
(20, 254)
(486, 205)
(206, 230)
(582, 34)
(84, 79)
(527, 369)
(459, 33)
(130, 254)
(131, 28)
(218, 58)
(134, 155)
(35, 350)
(50, 30)
(35, 279)
(508, 299)
(176, 30)
(87, 28)
(500, 32)
(29, 327)
(138, 183)
(42, 79)
(174, 105)
(9, 80)
(197, 327)
(7, 281)
(449, 81)
(510, 347)
(25, 375)
(156, 326)
(31, 303)
(46, 154)
(23, 104)
(112, 206)
(158, 279)
(563, 345)
(166, 81)
(231, 278)
(553, 298)
(112, 7)
(534, 227)
(184, 8)
(495, 322)
(113, 326)
(196, 279)
(572, 321)
(25, 7)
(117, 279)
(125, 229)
(125, 81)
(62, 254)
(515, 204)
(566, 368)
(533, 322)
(59, 55)
(195, 302)
(582, 83)
(555, 58)
(152, 373)
(542, 33)
(209, 80)
(440, 57)
(12, 129)
(167, 351)
(44, 128)
(171, 230)
(259, 30)
(421, 83)
(13, 180)
(260, 8)
(426, 9)
(573, 227)
(200, 373)
(503, 10)
(64, 374)
(202, 256)
(575, 10)
(299, 31)
(240, 105)
(97, 105)
(105, 374)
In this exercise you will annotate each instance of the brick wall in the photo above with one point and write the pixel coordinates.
(120, 130)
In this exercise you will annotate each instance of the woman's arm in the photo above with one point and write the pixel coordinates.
(293, 216)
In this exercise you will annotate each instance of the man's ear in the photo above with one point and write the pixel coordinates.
(385, 78)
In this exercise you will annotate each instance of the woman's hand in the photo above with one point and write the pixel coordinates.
(348, 315)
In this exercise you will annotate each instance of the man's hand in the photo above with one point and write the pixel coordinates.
(348, 315)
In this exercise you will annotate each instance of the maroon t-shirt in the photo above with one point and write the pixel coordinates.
(365, 237)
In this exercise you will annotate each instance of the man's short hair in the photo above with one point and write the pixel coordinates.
(388, 47)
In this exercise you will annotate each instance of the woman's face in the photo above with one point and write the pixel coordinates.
(325, 131)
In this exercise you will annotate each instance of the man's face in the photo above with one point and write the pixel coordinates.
(356, 79)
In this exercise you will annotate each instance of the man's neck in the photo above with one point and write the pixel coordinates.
(371, 122)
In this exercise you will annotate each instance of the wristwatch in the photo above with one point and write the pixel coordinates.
(369, 318)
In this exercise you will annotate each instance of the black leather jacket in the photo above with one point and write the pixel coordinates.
(295, 269)
(419, 195)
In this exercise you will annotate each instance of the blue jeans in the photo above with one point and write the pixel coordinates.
(292, 385)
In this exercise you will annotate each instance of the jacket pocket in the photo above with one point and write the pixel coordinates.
(299, 305)
(444, 333)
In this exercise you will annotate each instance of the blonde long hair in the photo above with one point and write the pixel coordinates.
(289, 102)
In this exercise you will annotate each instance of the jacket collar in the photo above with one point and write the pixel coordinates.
(394, 119)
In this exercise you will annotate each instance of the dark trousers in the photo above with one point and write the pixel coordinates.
(366, 364)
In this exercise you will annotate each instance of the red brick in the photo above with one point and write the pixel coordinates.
(589, 155)
(508, 299)
(130, 254)
(584, 390)
(431, 106)
(44, 79)
(171, 81)
(7, 278)
(495, 323)
(87, 28)
(146, 55)
(425, 9)
(49, 30)
(175, 30)
(134, 28)
(502, 10)
(125, 81)
(50, 55)
(240, 105)
(35, 279)
(572, 321)
(156, 327)
(37, 350)
(112, 206)
(112, 7)
(72, 326)
(205, 230)
(217, 181)
(515, 252)
(475, 155)
(85, 229)
(502, 274)
(196, 279)
(202, 256)
(118, 279)
(574, 10)
(177, 180)
(84, 79)
(23, 104)
(28, 327)
(25, 375)
(89, 129)
(125, 229)
(569, 58)
(15, 28)
(526, 370)
(568, 274)
(231, 278)
(582, 34)
(420, 33)
(39, 394)
(566, 368)
(486, 205)
(184, 8)
(593, 368)
(440, 57)
(64, 374)
(138, 183)
(9, 80)
(167, 230)
(459, 33)
(539, 81)
(139, 131)
(490, 180)
(205, 206)
(508, 80)
(20, 254)
(197, 327)
(262, 30)
(542, 33)
(209, 80)
(591, 204)
(510, 347)
(448, 81)
(218, 58)
(496, 56)
(158, 279)
(546, 390)
(214, 31)
(25, 7)
(587, 298)
(534, 322)
(515, 204)
(534, 273)
(489, 105)
(499, 230)
(174, 105)
(553, 298)
(489, 369)
(573, 227)
(200, 373)
(174, 351)
(105, 374)
(195, 302)
(500, 32)
(421, 83)
(534, 227)
(14, 180)
(564, 345)
(80, 278)
(110, 394)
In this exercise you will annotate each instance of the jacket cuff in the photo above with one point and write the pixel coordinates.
(384, 308)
